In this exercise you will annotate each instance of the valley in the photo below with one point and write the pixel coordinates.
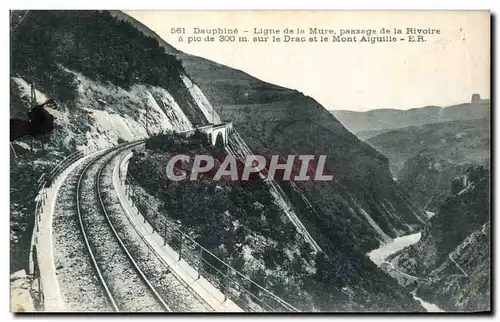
(267, 115)
(426, 158)
(380, 255)
(360, 241)
(444, 167)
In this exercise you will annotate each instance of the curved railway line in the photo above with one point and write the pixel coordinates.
(101, 265)
(103, 262)
(122, 263)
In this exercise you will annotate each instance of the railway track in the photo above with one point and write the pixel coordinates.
(125, 285)
(102, 262)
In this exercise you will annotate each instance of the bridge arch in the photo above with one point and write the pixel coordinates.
(220, 141)
(217, 132)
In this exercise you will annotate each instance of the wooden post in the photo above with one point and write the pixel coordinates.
(165, 233)
(35, 261)
(226, 284)
(33, 104)
(13, 150)
(200, 263)
(180, 246)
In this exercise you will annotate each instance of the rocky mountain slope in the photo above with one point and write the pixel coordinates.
(366, 123)
(272, 119)
(111, 84)
(425, 158)
(360, 209)
(452, 258)
(463, 281)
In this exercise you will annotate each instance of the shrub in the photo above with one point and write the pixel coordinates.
(198, 139)
(169, 142)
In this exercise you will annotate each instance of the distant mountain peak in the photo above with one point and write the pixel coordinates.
(385, 119)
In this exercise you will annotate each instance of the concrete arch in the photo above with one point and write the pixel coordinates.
(219, 140)
(213, 132)
(219, 132)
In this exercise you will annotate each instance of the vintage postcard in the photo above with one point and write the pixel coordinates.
(250, 161)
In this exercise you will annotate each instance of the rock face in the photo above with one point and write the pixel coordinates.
(360, 209)
(20, 297)
(452, 259)
(426, 158)
(111, 83)
(362, 206)
(463, 281)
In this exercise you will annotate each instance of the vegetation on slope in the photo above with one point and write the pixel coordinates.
(426, 158)
(459, 229)
(94, 43)
(240, 222)
(52, 49)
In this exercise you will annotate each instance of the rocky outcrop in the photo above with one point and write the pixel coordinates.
(361, 208)
(452, 259)
(425, 158)
(463, 281)
(475, 98)
(111, 83)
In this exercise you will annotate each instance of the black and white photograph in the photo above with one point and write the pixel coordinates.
(250, 161)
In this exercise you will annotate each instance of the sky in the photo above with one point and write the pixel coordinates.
(445, 70)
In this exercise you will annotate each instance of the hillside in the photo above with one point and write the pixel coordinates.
(383, 119)
(463, 281)
(272, 119)
(86, 61)
(114, 83)
(426, 158)
(241, 223)
(341, 215)
(452, 259)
